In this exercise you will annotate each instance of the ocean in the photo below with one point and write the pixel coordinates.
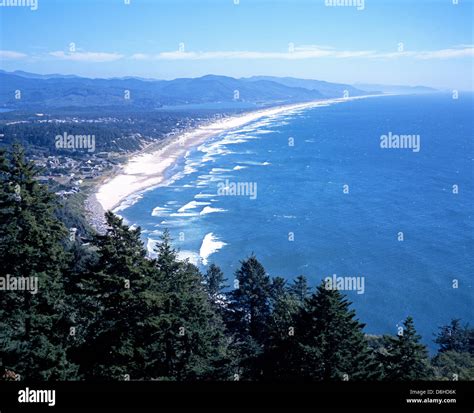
(316, 192)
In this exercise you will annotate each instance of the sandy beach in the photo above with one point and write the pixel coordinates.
(147, 170)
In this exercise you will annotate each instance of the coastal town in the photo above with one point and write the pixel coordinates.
(74, 153)
(71, 173)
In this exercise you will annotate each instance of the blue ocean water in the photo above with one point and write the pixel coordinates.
(305, 220)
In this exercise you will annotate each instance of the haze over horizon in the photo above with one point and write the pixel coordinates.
(72, 75)
(369, 42)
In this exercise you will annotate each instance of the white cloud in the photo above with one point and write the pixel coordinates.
(447, 53)
(297, 53)
(293, 53)
(9, 54)
(455, 52)
(98, 57)
(309, 52)
(140, 56)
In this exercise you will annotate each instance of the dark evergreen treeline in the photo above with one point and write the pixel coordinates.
(104, 311)
(114, 131)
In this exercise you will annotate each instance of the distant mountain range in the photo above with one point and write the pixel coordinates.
(69, 91)
(38, 76)
(327, 89)
(397, 89)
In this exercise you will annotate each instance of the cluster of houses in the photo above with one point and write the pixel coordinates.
(67, 173)
(71, 172)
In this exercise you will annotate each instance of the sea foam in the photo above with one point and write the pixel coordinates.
(192, 205)
(210, 245)
(210, 210)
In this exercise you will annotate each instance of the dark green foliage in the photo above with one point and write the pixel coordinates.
(33, 327)
(279, 360)
(455, 358)
(119, 129)
(215, 284)
(114, 292)
(187, 338)
(251, 299)
(406, 359)
(215, 280)
(277, 289)
(248, 316)
(453, 365)
(299, 288)
(330, 344)
(454, 337)
(71, 213)
(151, 318)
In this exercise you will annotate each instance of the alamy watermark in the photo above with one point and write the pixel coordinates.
(75, 142)
(393, 141)
(345, 283)
(228, 188)
(37, 396)
(10, 283)
(32, 4)
(358, 4)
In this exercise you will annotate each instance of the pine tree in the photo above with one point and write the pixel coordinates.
(407, 358)
(299, 288)
(277, 289)
(248, 317)
(215, 282)
(188, 334)
(278, 355)
(33, 325)
(453, 365)
(330, 343)
(115, 305)
(453, 337)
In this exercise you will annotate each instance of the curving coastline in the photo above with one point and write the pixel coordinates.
(147, 170)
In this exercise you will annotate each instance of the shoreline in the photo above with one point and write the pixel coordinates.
(147, 168)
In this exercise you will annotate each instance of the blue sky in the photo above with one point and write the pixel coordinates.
(427, 42)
